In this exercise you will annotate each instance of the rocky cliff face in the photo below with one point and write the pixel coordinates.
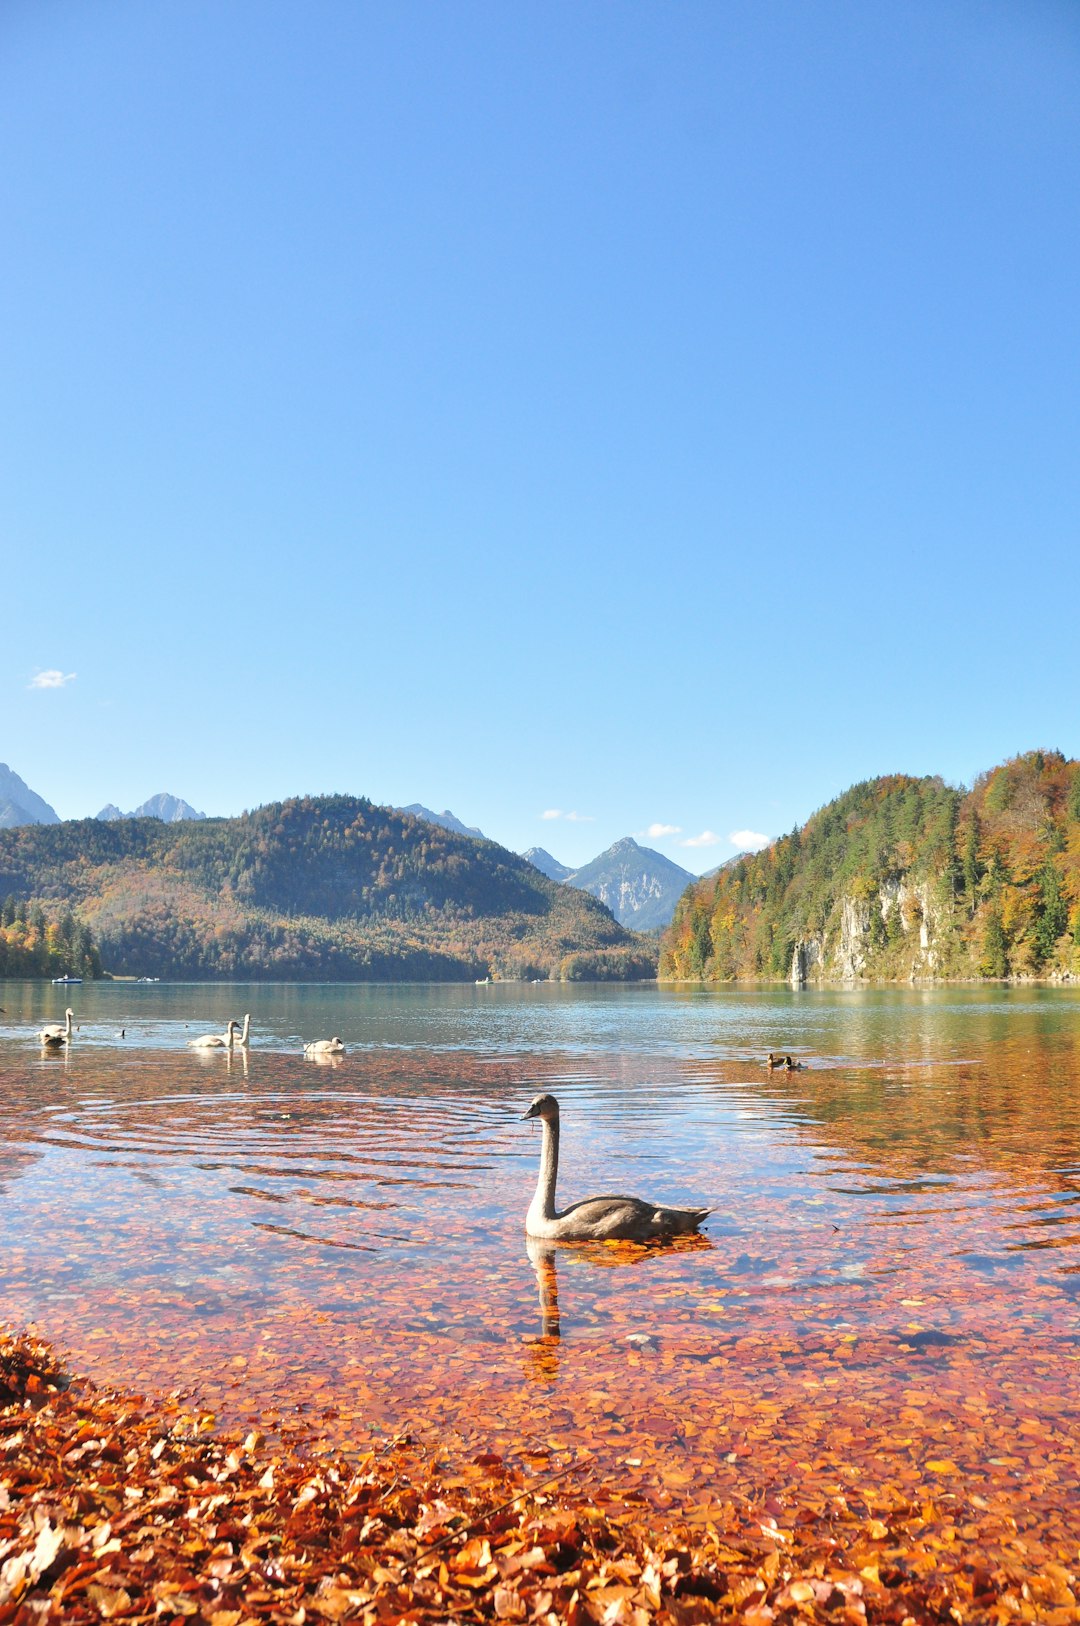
(906, 915)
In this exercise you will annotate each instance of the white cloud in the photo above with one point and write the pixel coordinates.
(51, 679)
(571, 818)
(658, 830)
(748, 841)
(707, 838)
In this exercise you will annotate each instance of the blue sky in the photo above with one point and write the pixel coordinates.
(666, 415)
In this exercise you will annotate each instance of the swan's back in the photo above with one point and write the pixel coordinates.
(630, 1219)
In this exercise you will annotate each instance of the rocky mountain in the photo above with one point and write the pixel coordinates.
(319, 888)
(640, 886)
(902, 879)
(445, 820)
(21, 805)
(542, 860)
(169, 809)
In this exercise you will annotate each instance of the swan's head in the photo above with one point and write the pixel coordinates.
(543, 1106)
(69, 1011)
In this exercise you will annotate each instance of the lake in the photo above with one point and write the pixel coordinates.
(884, 1302)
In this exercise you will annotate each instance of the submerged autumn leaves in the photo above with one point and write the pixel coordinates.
(115, 1510)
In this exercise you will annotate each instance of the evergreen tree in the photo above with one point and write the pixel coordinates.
(973, 870)
(995, 960)
(1073, 803)
(1053, 913)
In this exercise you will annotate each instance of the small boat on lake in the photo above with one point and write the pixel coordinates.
(62, 981)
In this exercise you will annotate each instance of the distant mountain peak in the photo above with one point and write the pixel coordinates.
(21, 805)
(446, 819)
(541, 859)
(169, 809)
(640, 886)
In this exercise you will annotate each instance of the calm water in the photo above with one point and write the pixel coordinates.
(339, 1250)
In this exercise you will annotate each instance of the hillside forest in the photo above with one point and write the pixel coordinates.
(34, 944)
(902, 878)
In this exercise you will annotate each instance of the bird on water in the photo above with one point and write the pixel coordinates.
(216, 1041)
(325, 1047)
(57, 1033)
(606, 1218)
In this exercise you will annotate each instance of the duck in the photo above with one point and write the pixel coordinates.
(57, 1033)
(245, 1035)
(793, 1066)
(607, 1218)
(773, 1062)
(325, 1047)
(216, 1041)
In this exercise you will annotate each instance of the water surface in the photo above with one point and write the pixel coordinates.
(887, 1288)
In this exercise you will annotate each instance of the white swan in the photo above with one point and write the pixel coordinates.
(325, 1047)
(57, 1033)
(615, 1217)
(244, 1039)
(216, 1041)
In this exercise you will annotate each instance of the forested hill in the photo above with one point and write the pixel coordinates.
(329, 887)
(902, 878)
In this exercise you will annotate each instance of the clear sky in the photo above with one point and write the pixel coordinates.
(661, 414)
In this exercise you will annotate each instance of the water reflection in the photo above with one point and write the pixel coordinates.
(542, 1259)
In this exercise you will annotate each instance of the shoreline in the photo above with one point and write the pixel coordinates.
(116, 1507)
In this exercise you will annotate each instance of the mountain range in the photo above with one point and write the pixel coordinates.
(327, 888)
(639, 885)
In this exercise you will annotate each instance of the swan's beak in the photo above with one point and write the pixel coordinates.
(532, 1112)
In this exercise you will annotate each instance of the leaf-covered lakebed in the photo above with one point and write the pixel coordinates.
(857, 1396)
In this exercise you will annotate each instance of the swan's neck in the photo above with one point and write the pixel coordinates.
(67, 1020)
(230, 1037)
(543, 1204)
(247, 1025)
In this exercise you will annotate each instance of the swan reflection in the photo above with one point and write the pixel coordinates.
(543, 1352)
(212, 1059)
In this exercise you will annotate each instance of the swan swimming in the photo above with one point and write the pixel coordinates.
(617, 1218)
(325, 1047)
(216, 1041)
(57, 1033)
